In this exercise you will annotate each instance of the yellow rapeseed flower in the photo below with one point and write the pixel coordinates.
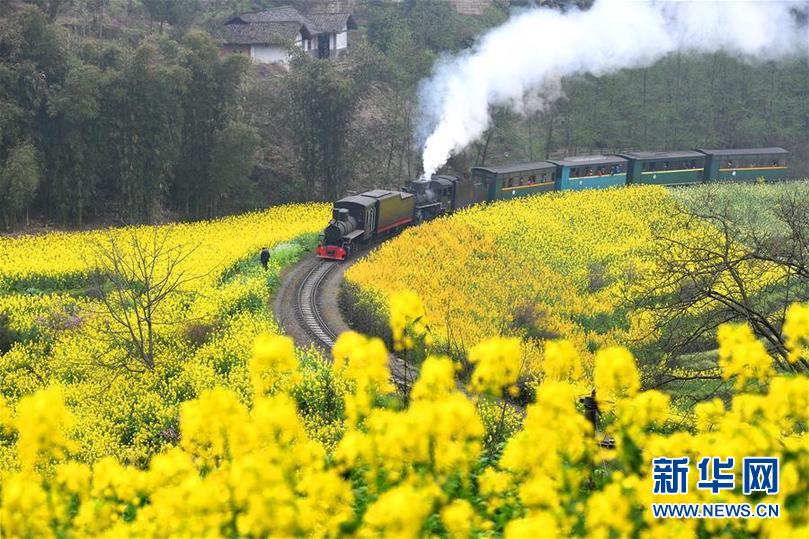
(498, 362)
(796, 331)
(616, 375)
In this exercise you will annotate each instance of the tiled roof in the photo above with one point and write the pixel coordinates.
(270, 33)
(281, 25)
(331, 22)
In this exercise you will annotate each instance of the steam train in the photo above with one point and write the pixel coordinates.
(360, 218)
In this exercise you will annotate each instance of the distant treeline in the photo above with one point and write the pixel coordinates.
(681, 102)
(93, 127)
(124, 110)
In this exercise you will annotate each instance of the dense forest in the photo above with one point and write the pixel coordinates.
(119, 111)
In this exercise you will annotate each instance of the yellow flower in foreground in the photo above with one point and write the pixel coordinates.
(407, 319)
(24, 510)
(43, 421)
(616, 375)
(436, 379)
(458, 517)
(741, 355)
(399, 512)
(709, 414)
(212, 425)
(540, 524)
(273, 360)
(363, 360)
(562, 361)
(497, 364)
(796, 330)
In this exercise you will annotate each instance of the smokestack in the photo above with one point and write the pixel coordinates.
(533, 50)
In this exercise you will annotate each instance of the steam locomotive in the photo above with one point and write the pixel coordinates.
(360, 218)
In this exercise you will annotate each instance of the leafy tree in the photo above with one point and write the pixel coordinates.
(50, 7)
(145, 132)
(207, 106)
(75, 109)
(179, 13)
(321, 102)
(232, 160)
(19, 178)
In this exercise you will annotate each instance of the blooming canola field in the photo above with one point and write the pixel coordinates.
(572, 265)
(539, 267)
(59, 332)
(252, 469)
(233, 432)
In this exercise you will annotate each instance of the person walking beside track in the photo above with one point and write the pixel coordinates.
(265, 257)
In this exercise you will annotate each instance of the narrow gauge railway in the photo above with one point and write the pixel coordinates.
(359, 219)
(308, 307)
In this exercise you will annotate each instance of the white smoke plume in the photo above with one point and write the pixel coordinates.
(533, 50)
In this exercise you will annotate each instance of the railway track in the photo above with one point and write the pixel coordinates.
(308, 307)
(309, 298)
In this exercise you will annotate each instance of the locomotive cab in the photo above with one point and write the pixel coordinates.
(433, 197)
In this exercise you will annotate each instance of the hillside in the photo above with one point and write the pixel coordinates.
(234, 433)
(583, 266)
(89, 90)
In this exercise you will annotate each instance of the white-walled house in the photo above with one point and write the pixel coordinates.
(268, 36)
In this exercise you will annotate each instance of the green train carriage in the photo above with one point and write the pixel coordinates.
(590, 172)
(746, 164)
(665, 168)
(517, 180)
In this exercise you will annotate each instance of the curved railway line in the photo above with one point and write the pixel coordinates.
(308, 308)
